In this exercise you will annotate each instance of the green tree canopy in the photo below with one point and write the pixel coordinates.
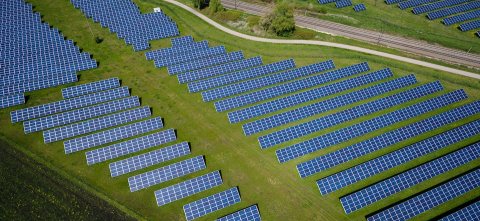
(280, 21)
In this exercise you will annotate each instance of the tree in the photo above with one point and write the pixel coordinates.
(198, 4)
(215, 6)
(280, 21)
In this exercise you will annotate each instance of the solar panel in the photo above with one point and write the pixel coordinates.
(188, 188)
(292, 100)
(66, 105)
(470, 25)
(413, 3)
(176, 59)
(453, 10)
(461, 17)
(359, 7)
(12, 100)
(83, 89)
(166, 173)
(248, 214)
(182, 40)
(325, 1)
(407, 179)
(78, 115)
(322, 123)
(38, 84)
(430, 199)
(240, 75)
(211, 204)
(398, 157)
(148, 159)
(437, 5)
(322, 106)
(470, 212)
(205, 62)
(387, 139)
(129, 146)
(266, 81)
(367, 126)
(278, 90)
(176, 50)
(112, 135)
(343, 3)
(219, 69)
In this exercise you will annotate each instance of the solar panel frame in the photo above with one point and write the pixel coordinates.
(88, 88)
(470, 25)
(194, 46)
(211, 204)
(181, 40)
(38, 84)
(177, 59)
(343, 3)
(453, 10)
(205, 62)
(250, 213)
(12, 100)
(469, 212)
(359, 7)
(461, 17)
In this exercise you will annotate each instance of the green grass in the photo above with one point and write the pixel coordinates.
(277, 188)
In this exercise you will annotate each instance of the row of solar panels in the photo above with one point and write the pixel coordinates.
(329, 184)
(33, 55)
(125, 19)
(345, 3)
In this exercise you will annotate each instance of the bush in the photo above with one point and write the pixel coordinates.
(321, 10)
(215, 6)
(280, 21)
(253, 20)
(303, 34)
(228, 16)
(198, 4)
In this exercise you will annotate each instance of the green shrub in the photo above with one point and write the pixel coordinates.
(280, 21)
(303, 34)
(253, 20)
(225, 16)
(215, 6)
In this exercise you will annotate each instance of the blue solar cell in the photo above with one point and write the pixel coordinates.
(176, 59)
(343, 3)
(322, 106)
(437, 5)
(112, 135)
(202, 63)
(387, 139)
(398, 157)
(219, 69)
(470, 25)
(148, 159)
(409, 178)
(240, 75)
(176, 50)
(182, 40)
(266, 81)
(462, 17)
(413, 3)
(211, 204)
(325, 1)
(66, 105)
(12, 100)
(188, 188)
(278, 90)
(166, 173)
(471, 212)
(453, 10)
(129, 146)
(292, 100)
(38, 84)
(248, 214)
(359, 7)
(322, 123)
(367, 126)
(430, 199)
(83, 89)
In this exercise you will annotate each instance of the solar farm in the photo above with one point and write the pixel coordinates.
(170, 119)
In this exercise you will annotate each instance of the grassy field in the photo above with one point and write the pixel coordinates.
(277, 189)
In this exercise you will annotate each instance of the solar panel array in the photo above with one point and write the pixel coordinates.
(212, 203)
(88, 88)
(240, 75)
(188, 188)
(453, 10)
(181, 40)
(346, 133)
(389, 2)
(470, 25)
(461, 17)
(112, 135)
(318, 124)
(194, 46)
(78, 115)
(219, 69)
(70, 104)
(202, 63)
(387, 139)
(166, 173)
(125, 19)
(470, 212)
(38, 84)
(359, 7)
(176, 59)
(437, 5)
(266, 81)
(12, 100)
(398, 157)
(325, 1)
(248, 214)
(413, 3)
(130, 146)
(301, 97)
(409, 178)
(289, 87)
(329, 104)
(430, 199)
(343, 3)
